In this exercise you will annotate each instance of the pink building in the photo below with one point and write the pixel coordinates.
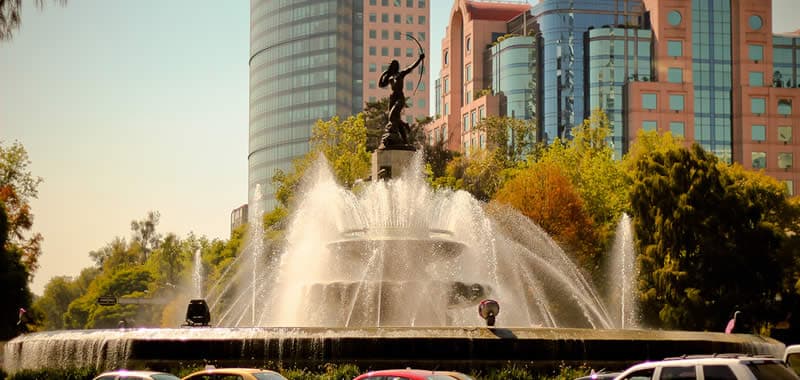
(386, 26)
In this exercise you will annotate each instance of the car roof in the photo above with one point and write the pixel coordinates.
(704, 359)
(408, 372)
(231, 371)
(125, 372)
(793, 349)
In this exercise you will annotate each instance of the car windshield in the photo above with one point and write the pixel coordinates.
(268, 376)
(771, 370)
(164, 376)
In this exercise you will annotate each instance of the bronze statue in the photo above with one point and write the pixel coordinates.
(396, 133)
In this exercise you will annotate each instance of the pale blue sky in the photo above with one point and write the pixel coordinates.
(131, 106)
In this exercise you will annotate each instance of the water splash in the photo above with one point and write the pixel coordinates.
(621, 277)
(198, 274)
(398, 253)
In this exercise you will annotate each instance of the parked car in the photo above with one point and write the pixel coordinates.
(791, 356)
(135, 375)
(701, 367)
(234, 374)
(600, 376)
(412, 374)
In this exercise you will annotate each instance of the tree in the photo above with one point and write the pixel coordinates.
(17, 188)
(13, 282)
(59, 292)
(545, 195)
(10, 16)
(698, 223)
(509, 139)
(145, 235)
(376, 116)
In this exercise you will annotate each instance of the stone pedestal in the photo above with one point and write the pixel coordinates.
(390, 163)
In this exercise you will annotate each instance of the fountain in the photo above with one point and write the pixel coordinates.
(392, 276)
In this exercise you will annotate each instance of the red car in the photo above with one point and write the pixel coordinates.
(412, 374)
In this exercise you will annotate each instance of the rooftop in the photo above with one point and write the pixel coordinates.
(497, 11)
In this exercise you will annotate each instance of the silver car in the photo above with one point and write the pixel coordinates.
(135, 375)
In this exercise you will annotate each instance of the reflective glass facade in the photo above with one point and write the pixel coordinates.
(512, 64)
(786, 57)
(617, 56)
(303, 56)
(563, 24)
(712, 67)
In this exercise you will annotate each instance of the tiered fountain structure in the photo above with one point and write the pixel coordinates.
(389, 276)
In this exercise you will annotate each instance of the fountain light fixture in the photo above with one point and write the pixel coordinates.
(197, 313)
(488, 310)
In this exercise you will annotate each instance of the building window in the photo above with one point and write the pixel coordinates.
(472, 119)
(759, 133)
(789, 187)
(385, 3)
(675, 48)
(446, 109)
(756, 79)
(649, 125)
(421, 20)
(758, 160)
(409, 19)
(398, 36)
(758, 106)
(465, 125)
(409, 3)
(446, 57)
(384, 34)
(421, 103)
(755, 22)
(373, 17)
(384, 17)
(409, 52)
(649, 101)
(784, 106)
(674, 18)
(398, 3)
(373, 2)
(677, 128)
(409, 85)
(373, 67)
(481, 113)
(373, 34)
(675, 75)
(784, 160)
(372, 50)
(421, 36)
(385, 51)
(397, 52)
(755, 52)
(372, 84)
(676, 102)
(467, 96)
(421, 4)
(446, 85)
(469, 44)
(468, 72)
(785, 134)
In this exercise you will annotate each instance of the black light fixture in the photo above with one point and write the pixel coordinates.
(197, 313)
(488, 310)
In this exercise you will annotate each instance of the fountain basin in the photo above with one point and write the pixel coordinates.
(456, 348)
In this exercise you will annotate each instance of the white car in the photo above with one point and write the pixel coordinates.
(717, 367)
(135, 375)
(792, 357)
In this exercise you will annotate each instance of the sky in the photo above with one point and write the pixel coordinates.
(126, 107)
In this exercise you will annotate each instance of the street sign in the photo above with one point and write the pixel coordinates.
(107, 300)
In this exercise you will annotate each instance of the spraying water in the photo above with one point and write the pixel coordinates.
(197, 274)
(398, 253)
(622, 296)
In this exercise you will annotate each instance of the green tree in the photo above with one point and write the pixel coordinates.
(59, 292)
(698, 224)
(17, 188)
(509, 139)
(145, 234)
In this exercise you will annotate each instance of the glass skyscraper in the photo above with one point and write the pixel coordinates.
(307, 62)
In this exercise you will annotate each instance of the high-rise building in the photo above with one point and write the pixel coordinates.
(315, 59)
(710, 71)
